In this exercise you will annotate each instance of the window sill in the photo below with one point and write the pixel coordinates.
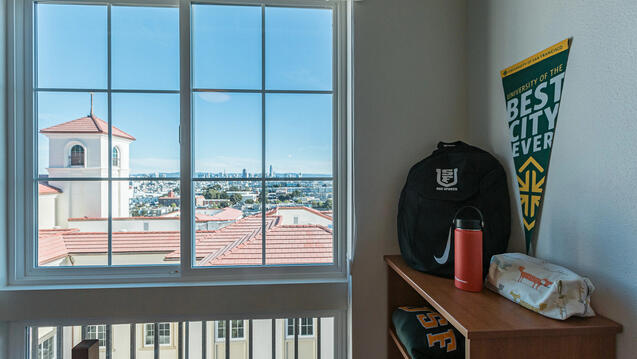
(56, 287)
(46, 304)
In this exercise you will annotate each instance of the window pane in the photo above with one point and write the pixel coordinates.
(71, 46)
(65, 209)
(221, 329)
(64, 120)
(226, 44)
(145, 47)
(237, 329)
(302, 231)
(228, 222)
(227, 134)
(149, 334)
(299, 135)
(146, 221)
(146, 131)
(298, 48)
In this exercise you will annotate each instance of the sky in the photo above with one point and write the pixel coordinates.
(226, 50)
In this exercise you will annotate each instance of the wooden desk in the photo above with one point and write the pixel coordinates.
(493, 326)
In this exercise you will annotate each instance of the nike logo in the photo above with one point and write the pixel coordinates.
(445, 255)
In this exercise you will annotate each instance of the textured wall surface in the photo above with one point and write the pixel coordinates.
(409, 94)
(589, 219)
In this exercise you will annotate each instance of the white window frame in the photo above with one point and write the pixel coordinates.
(97, 333)
(152, 327)
(289, 323)
(116, 160)
(24, 274)
(222, 338)
(52, 350)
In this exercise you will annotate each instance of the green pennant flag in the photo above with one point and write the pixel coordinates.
(533, 89)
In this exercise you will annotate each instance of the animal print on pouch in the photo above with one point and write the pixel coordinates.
(542, 287)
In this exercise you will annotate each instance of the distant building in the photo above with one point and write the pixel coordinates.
(169, 199)
(79, 148)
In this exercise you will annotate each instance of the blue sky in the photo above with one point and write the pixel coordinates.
(72, 53)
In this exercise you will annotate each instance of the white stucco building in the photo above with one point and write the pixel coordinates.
(79, 148)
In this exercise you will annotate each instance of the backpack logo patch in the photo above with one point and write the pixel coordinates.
(447, 178)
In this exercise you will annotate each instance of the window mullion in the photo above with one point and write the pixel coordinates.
(263, 139)
(110, 136)
(187, 232)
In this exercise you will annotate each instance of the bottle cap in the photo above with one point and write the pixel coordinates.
(473, 224)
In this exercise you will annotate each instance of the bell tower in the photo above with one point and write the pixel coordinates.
(79, 149)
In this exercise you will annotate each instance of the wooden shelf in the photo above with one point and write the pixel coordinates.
(399, 345)
(488, 318)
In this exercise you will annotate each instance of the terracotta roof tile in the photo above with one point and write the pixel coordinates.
(47, 189)
(239, 243)
(88, 124)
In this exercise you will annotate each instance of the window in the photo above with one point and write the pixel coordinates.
(306, 327)
(77, 156)
(237, 330)
(115, 157)
(198, 150)
(149, 334)
(289, 327)
(221, 330)
(97, 332)
(46, 349)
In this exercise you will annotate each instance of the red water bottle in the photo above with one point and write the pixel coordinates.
(468, 252)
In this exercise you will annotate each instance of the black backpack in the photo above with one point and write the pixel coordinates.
(453, 176)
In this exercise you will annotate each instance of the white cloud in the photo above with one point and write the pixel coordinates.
(214, 97)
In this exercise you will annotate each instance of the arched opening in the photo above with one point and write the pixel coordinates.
(116, 157)
(77, 155)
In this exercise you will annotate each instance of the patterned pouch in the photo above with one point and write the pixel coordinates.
(542, 287)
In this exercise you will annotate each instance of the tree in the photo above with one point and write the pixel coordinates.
(235, 198)
(249, 201)
(327, 204)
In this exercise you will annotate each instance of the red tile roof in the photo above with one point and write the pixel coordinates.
(285, 244)
(236, 244)
(88, 124)
(47, 189)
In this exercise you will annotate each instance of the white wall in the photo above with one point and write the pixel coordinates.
(127, 225)
(588, 220)
(302, 216)
(409, 88)
(46, 211)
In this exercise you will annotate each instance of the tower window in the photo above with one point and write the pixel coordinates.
(77, 155)
(115, 157)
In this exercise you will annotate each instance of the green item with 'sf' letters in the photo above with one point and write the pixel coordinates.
(426, 334)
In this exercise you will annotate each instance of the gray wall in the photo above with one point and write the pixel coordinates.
(409, 69)
(589, 221)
